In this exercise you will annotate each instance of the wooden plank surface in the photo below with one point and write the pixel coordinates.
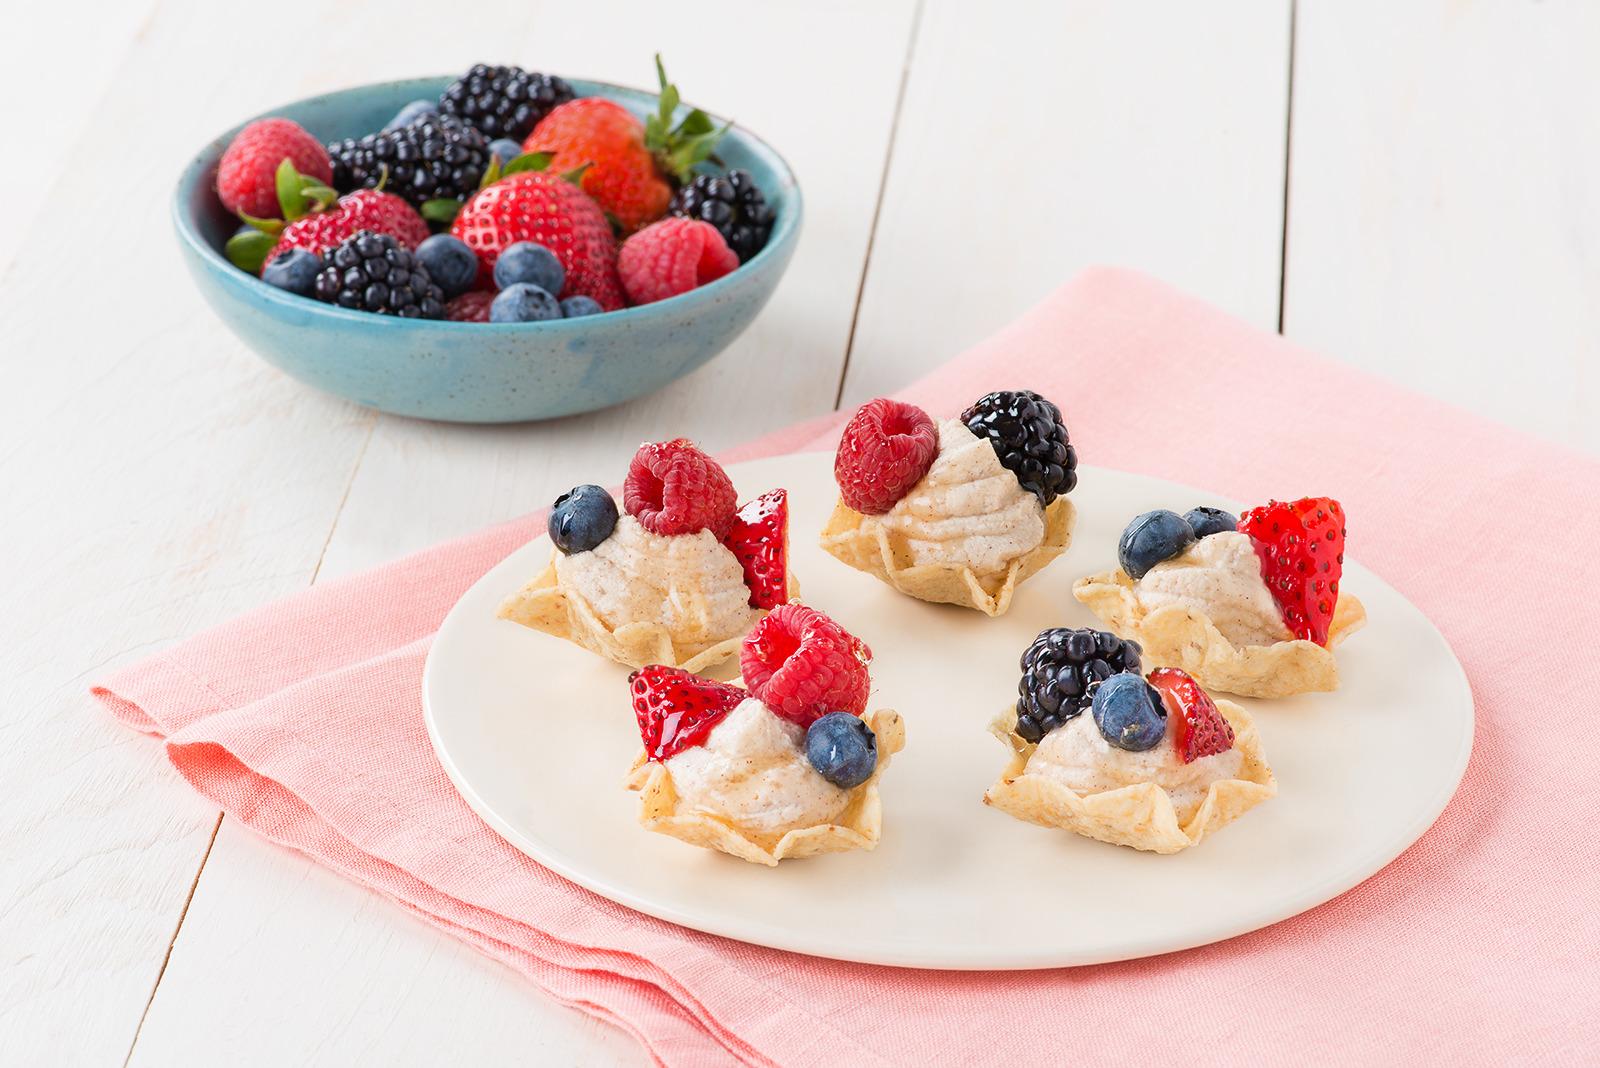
(1445, 203)
(1040, 139)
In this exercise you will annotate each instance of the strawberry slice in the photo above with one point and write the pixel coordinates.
(1198, 728)
(760, 539)
(677, 709)
(1301, 546)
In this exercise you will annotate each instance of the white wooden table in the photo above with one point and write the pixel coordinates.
(1414, 188)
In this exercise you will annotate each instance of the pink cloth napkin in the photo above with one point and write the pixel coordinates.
(1478, 945)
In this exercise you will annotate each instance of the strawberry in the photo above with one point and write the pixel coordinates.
(365, 209)
(633, 166)
(1301, 546)
(674, 488)
(1198, 728)
(676, 709)
(541, 207)
(247, 172)
(671, 257)
(760, 539)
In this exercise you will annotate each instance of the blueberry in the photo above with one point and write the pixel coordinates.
(451, 264)
(1152, 538)
(1129, 712)
(582, 518)
(506, 149)
(530, 263)
(579, 306)
(842, 748)
(1205, 520)
(295, 270)
(411, 113)
(523, 303)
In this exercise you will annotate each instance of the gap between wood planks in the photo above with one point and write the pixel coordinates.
(1288, 161)
(877, 206)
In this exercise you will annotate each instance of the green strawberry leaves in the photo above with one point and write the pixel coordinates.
(528, 161)
(440, 209)
(301, 194)
(249, 249)
(679, 148)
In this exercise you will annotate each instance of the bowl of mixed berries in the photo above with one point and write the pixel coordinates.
(501, 246)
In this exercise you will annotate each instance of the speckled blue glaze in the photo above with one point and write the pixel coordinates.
(477, 372)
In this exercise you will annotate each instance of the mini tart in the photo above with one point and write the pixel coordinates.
(1141, 815)
(1176, 636)
(883, 553)
(545, 605)
(858, 827)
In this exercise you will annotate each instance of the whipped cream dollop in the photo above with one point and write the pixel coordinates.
(1219, 577)
(1078, 756)
(752, 771)
(690, 583)
(968, 510)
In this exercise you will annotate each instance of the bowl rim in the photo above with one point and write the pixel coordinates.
(785, 229)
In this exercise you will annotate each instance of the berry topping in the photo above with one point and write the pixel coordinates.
(1058, 671)
(842, 749)
(886, 448)
(676, 709)
(803, 665)
(1205, 521)
(1129, 713)
(1152, 538)
(1301, 546)
(452, 265)
(523, 303)
(579, 306)
(527, 261)
(247, 172)
(733, 204)
(760, 539)
(503, 101)
(671, 257)
(432, 157)
(470, 307)
(582, 518)
(674, 488)
(375, 273)
(1029, 437)
(1198, 728)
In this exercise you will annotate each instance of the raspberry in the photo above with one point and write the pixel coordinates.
(1301, 546)
(470, 307)
(247, 173)
(676, 709)
(674, 488)
(671, 257)
(803, 665)
(886, 449)
(1198, 728)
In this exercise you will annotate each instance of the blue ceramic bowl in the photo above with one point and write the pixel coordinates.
(477, 372)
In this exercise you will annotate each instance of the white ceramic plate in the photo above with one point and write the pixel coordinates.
(538, 734)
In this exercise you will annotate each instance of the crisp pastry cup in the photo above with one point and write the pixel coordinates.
(1176, 636)
(883, 553)
(858, 826)
(1141, 815)
(544, 604)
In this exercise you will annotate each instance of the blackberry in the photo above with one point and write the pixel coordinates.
(1060, 671)
(504, 101)
(435, 157)
(733, 204)
(1029, 437)
(372, 272)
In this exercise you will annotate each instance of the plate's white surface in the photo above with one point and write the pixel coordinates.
(538, 734)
